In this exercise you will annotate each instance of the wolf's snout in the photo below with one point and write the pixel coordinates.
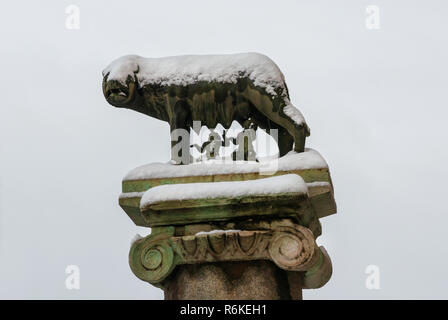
(113, 89)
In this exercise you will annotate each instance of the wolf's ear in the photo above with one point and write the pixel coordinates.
(105, 76)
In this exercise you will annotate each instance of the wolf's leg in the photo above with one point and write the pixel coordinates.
(285, 141)
(266, 110)
(298, 132)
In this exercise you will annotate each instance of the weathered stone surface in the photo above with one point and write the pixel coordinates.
(290, 246)
(255, 280)
(320, 190)
(321, 272)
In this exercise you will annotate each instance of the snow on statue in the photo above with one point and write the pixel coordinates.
(215, 89)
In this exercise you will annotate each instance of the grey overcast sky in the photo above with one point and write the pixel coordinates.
(376, 102)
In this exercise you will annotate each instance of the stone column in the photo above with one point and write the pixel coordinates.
(254, 280)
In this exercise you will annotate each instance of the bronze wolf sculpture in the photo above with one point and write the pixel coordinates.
(248, 88)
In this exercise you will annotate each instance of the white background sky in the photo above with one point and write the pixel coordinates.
(376, 102)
